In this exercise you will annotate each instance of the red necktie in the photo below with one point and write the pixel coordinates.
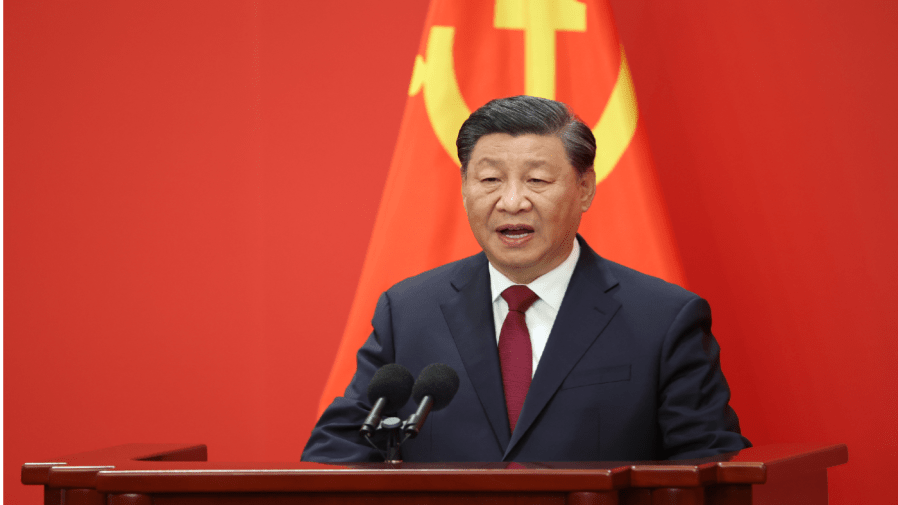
(515, 352)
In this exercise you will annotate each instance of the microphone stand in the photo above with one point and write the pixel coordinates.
(393, 427)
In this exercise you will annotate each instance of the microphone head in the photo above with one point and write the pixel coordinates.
(393, 382)
(437, 381)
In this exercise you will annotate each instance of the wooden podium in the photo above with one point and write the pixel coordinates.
(175, 474)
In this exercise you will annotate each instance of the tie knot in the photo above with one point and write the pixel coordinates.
(519, 298)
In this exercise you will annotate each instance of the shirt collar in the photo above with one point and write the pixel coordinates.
(549, 287)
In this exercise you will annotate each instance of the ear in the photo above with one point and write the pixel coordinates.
(587, 184)
(464, 197)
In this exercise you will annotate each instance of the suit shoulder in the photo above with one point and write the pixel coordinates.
(624, 282)
(437, 280)
(652, 306)
(647, 287)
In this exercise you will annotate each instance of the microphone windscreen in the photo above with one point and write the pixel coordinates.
(437, 381)
(393, 382)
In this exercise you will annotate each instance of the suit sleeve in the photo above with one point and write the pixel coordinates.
(694, 413)
(336, 438)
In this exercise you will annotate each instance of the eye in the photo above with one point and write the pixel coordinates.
(538, 181)
(489, 179)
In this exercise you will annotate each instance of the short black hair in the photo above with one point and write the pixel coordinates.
(520, 115)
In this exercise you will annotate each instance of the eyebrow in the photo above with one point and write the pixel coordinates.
(496, 162)
(488, 161)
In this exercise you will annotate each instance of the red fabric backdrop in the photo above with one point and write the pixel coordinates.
(190, 188)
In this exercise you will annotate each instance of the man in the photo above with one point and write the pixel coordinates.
(590, 361)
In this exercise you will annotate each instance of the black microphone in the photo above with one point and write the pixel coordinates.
(388, 391)
(434, 389)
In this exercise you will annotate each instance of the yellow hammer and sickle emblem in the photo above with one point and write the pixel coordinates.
(539, 19)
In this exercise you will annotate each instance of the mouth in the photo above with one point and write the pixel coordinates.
(515, 232)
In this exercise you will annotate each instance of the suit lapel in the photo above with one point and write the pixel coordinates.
(584, 314)
(469, 315)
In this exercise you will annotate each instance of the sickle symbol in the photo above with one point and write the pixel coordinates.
(617, 124)
(447, 110)
(445, 106)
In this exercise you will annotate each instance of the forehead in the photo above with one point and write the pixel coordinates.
(530, 149)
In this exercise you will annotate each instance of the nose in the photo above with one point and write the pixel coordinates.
(514, 198)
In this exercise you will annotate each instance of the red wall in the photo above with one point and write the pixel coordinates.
(190, 188)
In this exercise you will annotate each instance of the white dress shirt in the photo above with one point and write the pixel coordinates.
(549, 287)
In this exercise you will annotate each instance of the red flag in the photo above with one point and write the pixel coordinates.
(471, 52)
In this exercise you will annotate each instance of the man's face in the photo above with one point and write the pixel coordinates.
(524, 200)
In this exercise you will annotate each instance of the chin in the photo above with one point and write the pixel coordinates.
(515, 263)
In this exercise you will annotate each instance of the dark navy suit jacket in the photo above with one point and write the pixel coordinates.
(631, 371)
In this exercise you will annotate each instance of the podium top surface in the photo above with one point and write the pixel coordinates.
(145, 468)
